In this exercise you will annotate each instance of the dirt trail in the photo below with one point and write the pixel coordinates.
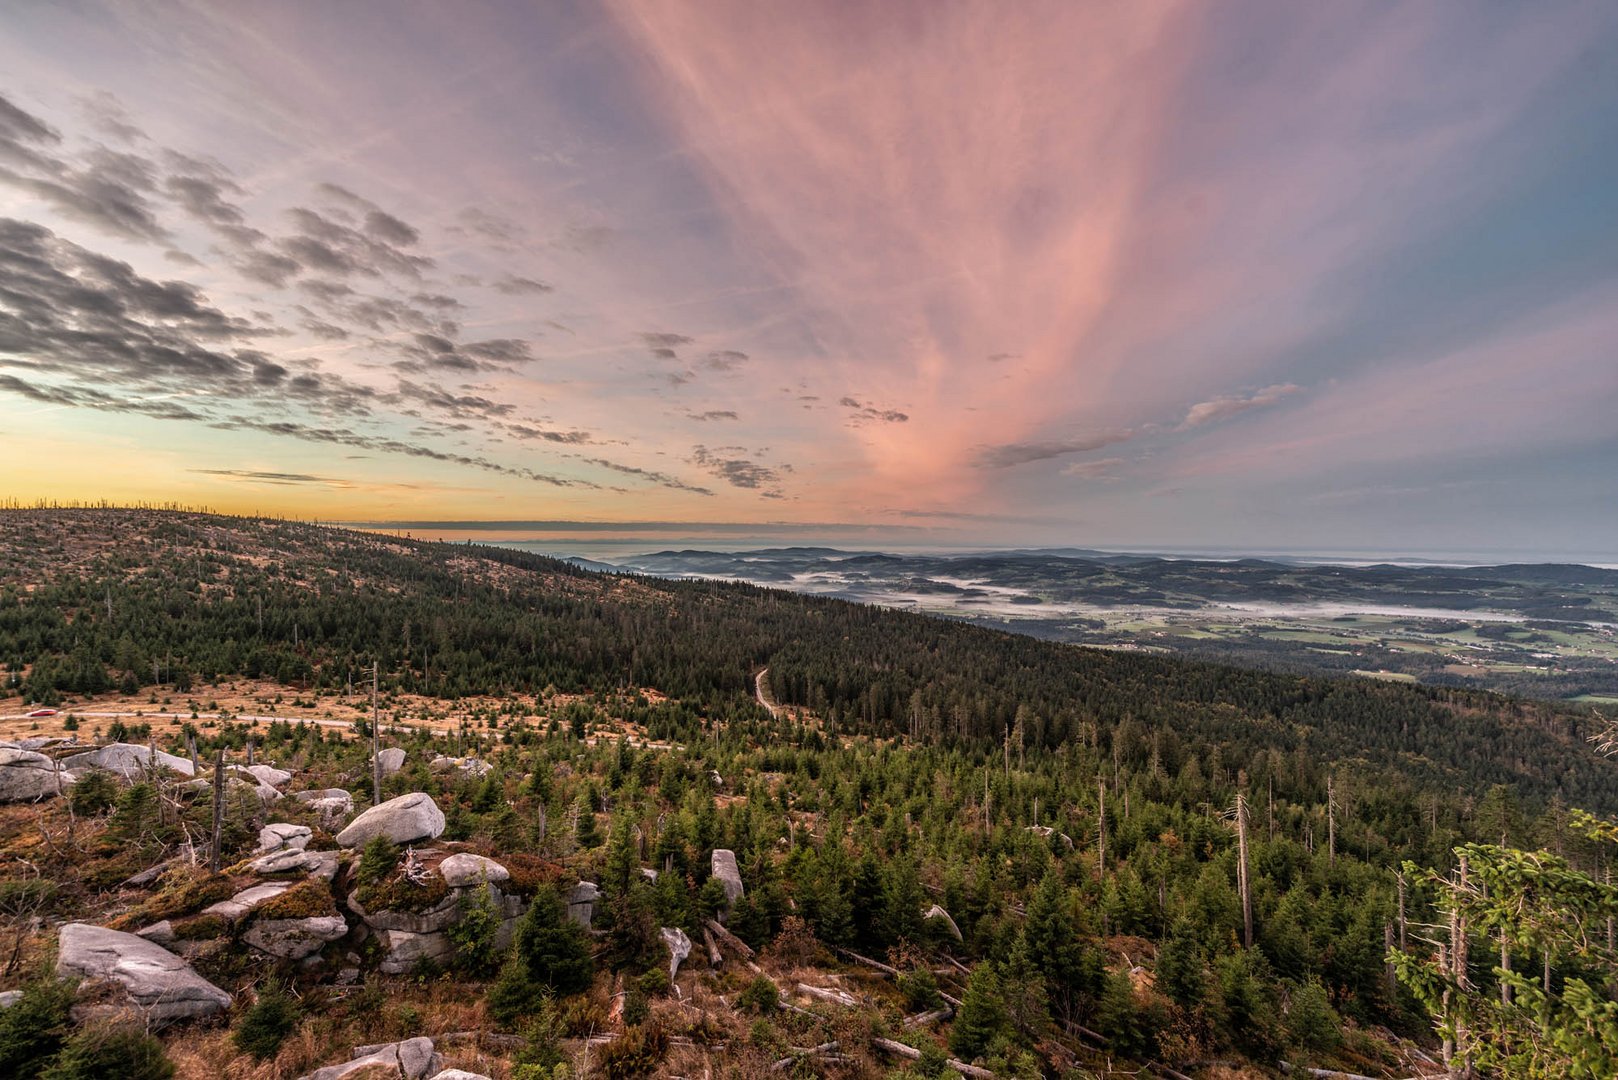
(763, 698)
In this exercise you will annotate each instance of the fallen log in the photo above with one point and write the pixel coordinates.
(797, 1053)
(715, 957)
(730, 939)
(923, 1019)
(913, 1054)
(1328, 1074)
(867, 961)
(836, 997)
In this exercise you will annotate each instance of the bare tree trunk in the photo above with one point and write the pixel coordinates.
(1505, 965)
(1609, 917)
(1101, 835)
(1402, 923)
(1241, 870)
(218, 810)
(1459, 1066)
(1331, 821)
(376, 744)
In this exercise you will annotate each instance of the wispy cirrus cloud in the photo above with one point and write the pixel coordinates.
(1019, 229)
(1223, 408)
(1008, 455)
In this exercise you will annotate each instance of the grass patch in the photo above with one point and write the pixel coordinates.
(306, 900)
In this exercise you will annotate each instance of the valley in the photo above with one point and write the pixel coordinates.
(1537, 630)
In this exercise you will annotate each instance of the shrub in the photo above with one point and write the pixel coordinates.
(634, 1054)
(655, 982)
(266, 1023)
(377, 861)
(1311, 1022)
(95, 792)
(637, 1007)
(110, 1055)
(543, 1037)
(34, 1029)
(761, 996)
(473, 934)
(920, 988)
(982, 1017)
(137, 820)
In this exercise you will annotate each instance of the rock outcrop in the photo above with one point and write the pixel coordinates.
(330, 803)
(392, 760)
(412, 1059)
(240, 905)
(26, 776)
(128, 760)
(294, 939)
(476, 768)
(403, 820)
(729, 876)
(280, 834)
(581, 902)
(464, 869)
(409, 937)
(269, 774)
(320, 864)
(154, 982)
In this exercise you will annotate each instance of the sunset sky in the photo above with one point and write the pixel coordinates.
(1239, 275)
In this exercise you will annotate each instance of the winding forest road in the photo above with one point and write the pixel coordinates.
(763, 699)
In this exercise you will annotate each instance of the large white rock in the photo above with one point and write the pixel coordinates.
(679, 948)
(265, 774)
(235, 783)
(26, 776)
(294, 939)
(403, 950)
(281, 834)
(128, 760)
(458, 1074)
(476, 768)
(581, 902)
(246, 900)
(729, 875)
(329, 803)
(315, 794)
(413, 1059)
(464, 869)
(157, 983)
(320, 864)
(403, 820)
(392, 760)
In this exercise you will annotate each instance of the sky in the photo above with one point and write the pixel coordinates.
(1237, 276)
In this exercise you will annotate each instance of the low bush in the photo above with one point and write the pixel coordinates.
(266, 1023)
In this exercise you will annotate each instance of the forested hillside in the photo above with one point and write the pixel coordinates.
(1134, 860)
(91, 600)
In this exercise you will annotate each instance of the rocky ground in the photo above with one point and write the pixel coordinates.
(153, 939)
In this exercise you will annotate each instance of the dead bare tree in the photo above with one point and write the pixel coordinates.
(218, 811)
(376, 744)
